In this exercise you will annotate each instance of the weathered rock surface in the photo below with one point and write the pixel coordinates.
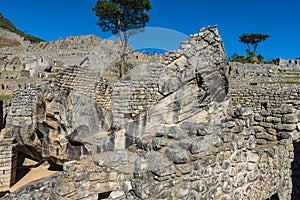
(192, 83)
(195, 160)
(201, 57)
(61, 125)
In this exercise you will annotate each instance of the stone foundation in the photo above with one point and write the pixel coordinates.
(190, 161)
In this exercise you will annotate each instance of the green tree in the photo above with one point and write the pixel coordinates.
(252, 39)
(120, 17)
(260, 58)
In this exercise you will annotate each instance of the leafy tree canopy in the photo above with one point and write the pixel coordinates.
(122, 15)
(253, 39)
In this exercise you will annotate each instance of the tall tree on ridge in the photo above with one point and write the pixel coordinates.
(120, 17)
(252, 39)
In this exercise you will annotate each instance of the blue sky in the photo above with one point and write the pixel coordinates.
(171, 20)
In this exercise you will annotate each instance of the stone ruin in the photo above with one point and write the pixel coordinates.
(31, 63)
(194, 127)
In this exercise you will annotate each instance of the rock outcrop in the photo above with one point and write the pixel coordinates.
(192, 81)
(201, 58)
(58, 123)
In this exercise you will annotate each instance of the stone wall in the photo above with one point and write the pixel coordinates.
(131, 98)
(2, 114)
(85, 81)
(74, 102)
(186, 148)
(216, 162)
(292, 64)
(8, 164)
(103, 93)
(12, 36)
(12, 83)
(85, 179)
(192, 77)
(190, 161)
(259, 98)
(101, 53)
(263, 86)
(24, 103)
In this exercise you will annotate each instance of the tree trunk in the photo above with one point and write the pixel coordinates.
(122, 59)
(123, 43)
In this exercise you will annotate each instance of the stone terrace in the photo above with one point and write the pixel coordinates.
(101, 53)
(263, 87)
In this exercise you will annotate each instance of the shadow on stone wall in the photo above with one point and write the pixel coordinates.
(1, 115)
(295, 165)
(274, 197)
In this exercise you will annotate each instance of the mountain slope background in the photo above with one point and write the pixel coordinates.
(7, 25)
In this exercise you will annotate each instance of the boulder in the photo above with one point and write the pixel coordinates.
(60, 127)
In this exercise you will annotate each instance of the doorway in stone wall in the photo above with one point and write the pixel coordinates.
(104, 195)
(29, 170)
(264, 105)
(274, 197)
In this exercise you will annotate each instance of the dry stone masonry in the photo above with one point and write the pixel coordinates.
(131, 98)
(194, 161)
(85, 81)
(101, 53)
(263, 86)
(8, 164)
(13, 36)
(192, 127)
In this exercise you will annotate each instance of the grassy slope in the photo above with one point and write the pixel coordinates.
(7, 24)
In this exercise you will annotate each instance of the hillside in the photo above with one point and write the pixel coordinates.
(8, 25)
(4, 42)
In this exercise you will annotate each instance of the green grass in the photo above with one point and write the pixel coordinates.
(5, 96)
